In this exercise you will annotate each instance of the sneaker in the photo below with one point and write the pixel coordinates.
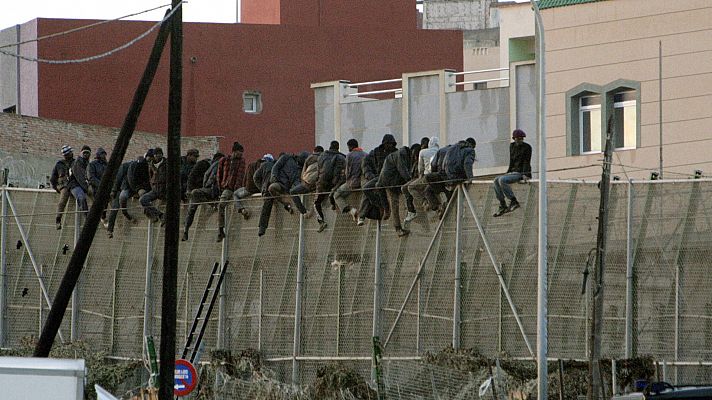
(402, 232)
(105, 223)
(360, 222)
(221, 234)
(162, 218)
(245, 213)
(110, 234)
(409, 217)
(261, 231)
(322, 226)
(58, 225)
(185, 237)
(288, 208)
(513, 205)
(502, 210)
(354, 214)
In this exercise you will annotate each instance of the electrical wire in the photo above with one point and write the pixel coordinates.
(98, 56)
(81, 28)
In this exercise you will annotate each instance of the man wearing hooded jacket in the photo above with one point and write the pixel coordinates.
(370, 170)
(394, 174)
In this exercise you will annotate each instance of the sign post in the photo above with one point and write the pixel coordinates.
(186, 378)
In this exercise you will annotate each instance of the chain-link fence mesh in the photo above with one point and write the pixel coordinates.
(668, 250)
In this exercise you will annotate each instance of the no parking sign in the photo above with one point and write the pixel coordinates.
(186, 378)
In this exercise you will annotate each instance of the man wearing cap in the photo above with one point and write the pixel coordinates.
(78, 182)
(520, 155)
(94, 173)
(231, 175)
(59, 181)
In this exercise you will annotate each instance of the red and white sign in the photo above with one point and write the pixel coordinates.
(186, 378)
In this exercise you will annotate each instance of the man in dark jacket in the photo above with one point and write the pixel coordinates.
(231, 176)
(120, 194)
(286, 174)
(78, 183)
(94, 173)
(395, 173)
(261, 179)
(248, 186)
(201, 188)
(371, 169)
(438, 181)
(157, 172)
(459, 160)
(332, 168)
(187, 162)
(520, 156)
(353, 178)
(309, 178)
(139, 177)
(60, 180)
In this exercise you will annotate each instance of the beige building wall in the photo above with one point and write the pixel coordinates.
(516, 21)
(605, 41)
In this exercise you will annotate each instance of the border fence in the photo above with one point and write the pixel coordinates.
(304, 298)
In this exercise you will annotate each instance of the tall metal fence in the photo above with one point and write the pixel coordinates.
(304, 298)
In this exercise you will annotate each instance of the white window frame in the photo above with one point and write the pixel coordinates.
(255, 98)
(624, 104)
(582, 110)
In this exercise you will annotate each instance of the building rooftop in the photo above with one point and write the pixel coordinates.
(561, 3)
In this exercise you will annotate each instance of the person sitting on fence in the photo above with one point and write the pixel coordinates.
(332, 166)
(231, 175)
(310, 174)
(59, 181)
(371, 203)
(286, 175)
(414, 190)
(78, 183)
(395, 172)
(520, 155)
(95, 172)
(201, 187)
(353, 179)
(187, 163)
(437, 181)
(459, 160)
(120, 194)
(261, 179)
(157, 172)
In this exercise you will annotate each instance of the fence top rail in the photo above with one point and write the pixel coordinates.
(395, 80)
(374, 92)
(480, 71)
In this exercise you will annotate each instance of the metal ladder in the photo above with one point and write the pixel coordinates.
(202, 316)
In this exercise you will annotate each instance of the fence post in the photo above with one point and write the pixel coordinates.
(148, 289)
(220, 340)
(456, 318)
(296, 346)
(3, 270)
(614, 380)
(629, 274)
(377, 294)
(74, 326)
(261, 312)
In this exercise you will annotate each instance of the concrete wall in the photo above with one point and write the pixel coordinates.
(458, 14)
(8, 69)
(31, 146)
(605, 41)
(432, 106)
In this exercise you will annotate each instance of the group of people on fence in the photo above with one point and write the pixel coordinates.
(422, 173)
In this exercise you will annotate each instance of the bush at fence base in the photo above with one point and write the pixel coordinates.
(518, 377)
(109, 374)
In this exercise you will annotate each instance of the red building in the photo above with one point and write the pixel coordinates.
(281, 47)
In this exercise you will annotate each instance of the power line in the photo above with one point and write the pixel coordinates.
(81, 28)
(98, 56)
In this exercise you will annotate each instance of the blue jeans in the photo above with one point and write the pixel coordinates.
(81, 196)
(502, 188)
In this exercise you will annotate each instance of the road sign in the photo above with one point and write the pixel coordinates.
(186, 378)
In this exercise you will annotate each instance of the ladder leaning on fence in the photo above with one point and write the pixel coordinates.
(202, 316)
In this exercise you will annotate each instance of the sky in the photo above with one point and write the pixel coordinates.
(193, 11)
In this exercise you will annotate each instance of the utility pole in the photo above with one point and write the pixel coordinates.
(172, 217)
(594, 366)
(76, 263)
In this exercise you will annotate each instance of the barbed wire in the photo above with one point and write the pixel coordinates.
(81, 28)
(98, 56)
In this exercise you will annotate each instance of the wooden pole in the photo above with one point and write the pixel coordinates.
(172, 217)
(71, 275)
